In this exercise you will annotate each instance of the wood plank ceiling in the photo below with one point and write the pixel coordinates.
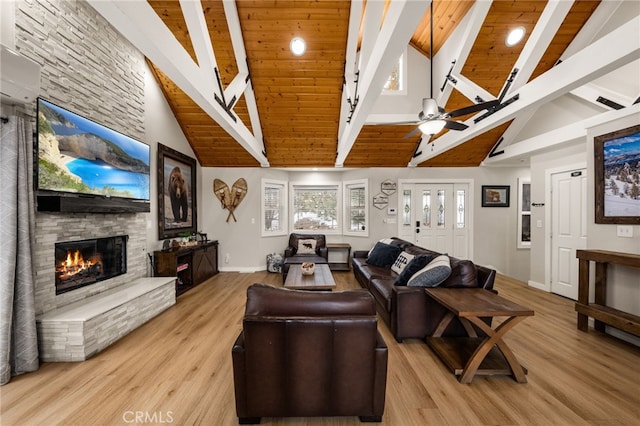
(299, 98)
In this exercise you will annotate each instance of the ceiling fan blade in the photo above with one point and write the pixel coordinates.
(455, 125)
(412, 133)
(474, 108)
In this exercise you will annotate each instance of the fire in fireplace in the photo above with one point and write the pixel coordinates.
(84, 262)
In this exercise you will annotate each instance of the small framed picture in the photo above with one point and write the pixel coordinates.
(495, 195)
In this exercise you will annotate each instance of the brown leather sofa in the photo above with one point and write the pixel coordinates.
(308, 354)
(292, 257)
(408, 311)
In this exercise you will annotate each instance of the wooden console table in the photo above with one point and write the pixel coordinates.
(468, 356)
(191, 265)
(599, 311)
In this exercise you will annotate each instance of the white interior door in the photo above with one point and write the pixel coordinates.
(435, 216)
(568, 230)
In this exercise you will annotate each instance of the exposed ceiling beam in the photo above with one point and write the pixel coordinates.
(608, 53)
(546, 28)
(139, 23)
(554, 139)
(350, 65)
(400, 22)
(242, 82)
(462, 41)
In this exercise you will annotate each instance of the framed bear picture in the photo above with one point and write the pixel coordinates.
(176, 193)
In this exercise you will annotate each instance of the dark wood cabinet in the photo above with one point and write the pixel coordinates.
(191, 265)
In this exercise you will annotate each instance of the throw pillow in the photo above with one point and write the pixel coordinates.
(414, 266)
(384, 241)
(383, 255)
(401, 262)
(306, 246)
(432, 275)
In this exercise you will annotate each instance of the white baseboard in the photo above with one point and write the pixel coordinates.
(242, 269)
(539, 286)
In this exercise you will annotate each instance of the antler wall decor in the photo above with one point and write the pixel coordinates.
(230, 198)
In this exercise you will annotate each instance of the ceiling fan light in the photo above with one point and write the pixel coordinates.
(515, 36)
(298, 46)
(432, 127)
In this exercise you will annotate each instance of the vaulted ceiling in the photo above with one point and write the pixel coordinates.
(243, 99)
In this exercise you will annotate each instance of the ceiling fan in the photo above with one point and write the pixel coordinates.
(433, 118)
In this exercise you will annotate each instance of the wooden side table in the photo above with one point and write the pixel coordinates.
(468, 356)
(340, 266)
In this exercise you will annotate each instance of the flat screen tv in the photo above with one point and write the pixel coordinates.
(82, 165)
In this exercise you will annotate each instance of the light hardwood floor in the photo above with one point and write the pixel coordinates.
(176, 369)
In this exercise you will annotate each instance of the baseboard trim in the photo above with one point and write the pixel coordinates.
(242, 269)
(539, 286)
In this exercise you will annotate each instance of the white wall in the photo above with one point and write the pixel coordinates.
(161, 126)
(494, 228)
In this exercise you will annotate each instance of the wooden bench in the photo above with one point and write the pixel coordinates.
(81, 329)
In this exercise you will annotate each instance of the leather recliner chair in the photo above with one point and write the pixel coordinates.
(309, 354)
(292, 255)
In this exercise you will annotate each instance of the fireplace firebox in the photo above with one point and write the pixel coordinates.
(85, 262)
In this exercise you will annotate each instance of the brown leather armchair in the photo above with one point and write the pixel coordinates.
(292, 256)
(309, 354)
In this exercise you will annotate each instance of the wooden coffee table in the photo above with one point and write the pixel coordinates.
(320, 280)
(468, 356)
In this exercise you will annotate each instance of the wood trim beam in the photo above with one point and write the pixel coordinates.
(351, 59)
(390, 42)
(237, 41)
(199, 35)
(554, 139)
(546, 28)
(606, 54)
(139, 23)
(462, 41)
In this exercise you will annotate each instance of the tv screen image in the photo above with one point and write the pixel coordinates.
(78, 155)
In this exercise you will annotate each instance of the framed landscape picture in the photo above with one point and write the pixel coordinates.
(617, 176)
(495, 195)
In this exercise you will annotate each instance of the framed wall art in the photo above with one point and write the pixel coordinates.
(380, 200)
(617, 176)
(495, 195)
(388, 187)
(176, 193)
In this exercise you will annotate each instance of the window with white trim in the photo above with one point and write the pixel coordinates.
(356, 208)
(524, 213)
(395, 83)
(274, 204)
(315, 208)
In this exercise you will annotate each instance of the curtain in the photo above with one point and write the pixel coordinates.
(18, 336)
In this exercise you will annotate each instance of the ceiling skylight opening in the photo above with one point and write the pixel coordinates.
(515, 36)
(298, 46)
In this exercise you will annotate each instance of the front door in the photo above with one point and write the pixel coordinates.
(435, 216)
(568, 229)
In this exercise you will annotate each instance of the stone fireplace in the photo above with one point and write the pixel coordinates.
(85, 262)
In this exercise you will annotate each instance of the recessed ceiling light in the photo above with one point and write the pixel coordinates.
(298, 46)
(515, 36)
